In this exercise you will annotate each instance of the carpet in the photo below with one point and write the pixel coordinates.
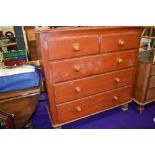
(111, 119)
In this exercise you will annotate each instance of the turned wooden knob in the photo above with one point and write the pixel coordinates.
(77, 89)
(78, 109)
(119, 60)
(115, 98)
(77, 68)
(117, 79)
(76, 47)
(121, 42)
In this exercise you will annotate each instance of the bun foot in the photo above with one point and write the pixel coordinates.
(124, 107)
(58, 127)
(28, 125)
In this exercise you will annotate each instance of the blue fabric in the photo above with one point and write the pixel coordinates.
(19, 81)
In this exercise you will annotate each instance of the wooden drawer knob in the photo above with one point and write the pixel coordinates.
(121, 42)
(76, 47)
(77, 89)
(115, 98)
(78, 109)
(119, 60)
(117, 79)
(77, 68)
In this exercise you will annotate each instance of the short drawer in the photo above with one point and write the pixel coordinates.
(152, 82)
(95, 84)
(67, 47)
(93, 104)
(119, 42)
(153, 70)
(81, 67)
(150, 94)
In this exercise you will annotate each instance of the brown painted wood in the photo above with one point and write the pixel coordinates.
(72, 46)
(92, 85)
(92, 104)
(110, 43)
(89, 29)
(45, 65)
(65, 70)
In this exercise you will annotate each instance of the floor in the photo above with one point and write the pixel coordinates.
(111, 119)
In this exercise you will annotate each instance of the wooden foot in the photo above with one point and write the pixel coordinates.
(58, 127)
(140, 108)
(124, 107)
(28, 125)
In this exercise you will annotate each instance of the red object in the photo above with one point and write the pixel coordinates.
(20, 62)
(13, 62)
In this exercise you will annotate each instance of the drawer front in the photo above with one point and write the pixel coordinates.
(152, 82)
(119, 42)
(93, 104)
(80, 67)
(67, 47)
(150, 94)
(92, 85)
(153, 70)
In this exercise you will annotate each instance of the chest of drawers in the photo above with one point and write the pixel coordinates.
(87, 69)
(144, 91)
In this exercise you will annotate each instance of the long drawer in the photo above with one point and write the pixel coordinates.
(117, 42)
(93, 104)
(91, 65)
(67, 47)
(95, 84)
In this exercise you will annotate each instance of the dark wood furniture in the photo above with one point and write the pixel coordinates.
(19, 105)
(6, 120)
(88, 69)
(144, 91)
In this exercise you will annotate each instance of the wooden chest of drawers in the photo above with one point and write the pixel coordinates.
(87, 69)
(144, 91)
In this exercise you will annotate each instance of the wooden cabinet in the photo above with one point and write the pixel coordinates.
(87, 69)
(144, 91)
